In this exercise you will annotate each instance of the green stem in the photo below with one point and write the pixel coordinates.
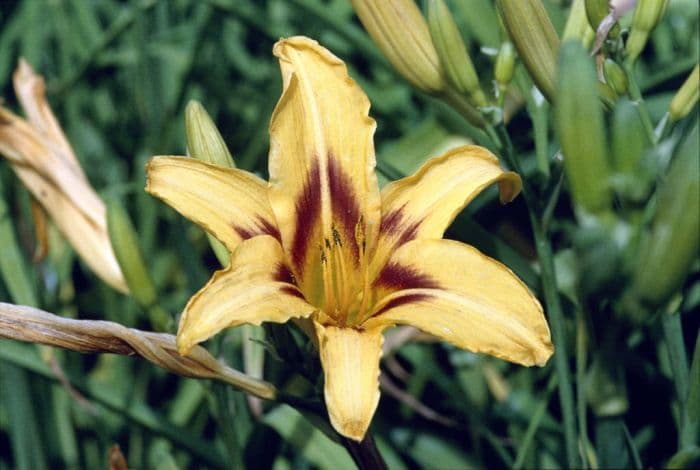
(581, 360)
(534, 424)
(365, 453)
(637, 98)
(556, 319)
(552, 303)
(673, 336)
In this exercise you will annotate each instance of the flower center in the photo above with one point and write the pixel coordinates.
(346, 293)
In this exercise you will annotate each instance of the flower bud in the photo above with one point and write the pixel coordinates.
(596, 12)
(673, 242)
(130, 258)
(579, 125)
(505, 64)
(615, 76)
(534, 37)
(577, 25)
(452, 52)
(400, 31)
(647, 15)
(204, 141)
(686, 97)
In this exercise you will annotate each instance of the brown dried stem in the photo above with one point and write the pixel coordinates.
(32, 325)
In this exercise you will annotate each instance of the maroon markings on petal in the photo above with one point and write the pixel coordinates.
(397, 277)
(394, 223)
(291, 290)
(283, 274)
(343, 202)
(402, 300)
(260, 227)
(308, 210)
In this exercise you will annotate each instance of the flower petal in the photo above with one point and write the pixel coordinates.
(350, 360)
(322, 182)
(256, 287)
(230, 204)
(425, 204)
(453, 291)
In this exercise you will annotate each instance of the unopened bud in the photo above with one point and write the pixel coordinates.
(673, 242)
(686, 97)
(130, 258)
(505, 64)
(452, 52)
(204, 140)
(647, 15)
(596, 12)
(616, 76)
(534, 37)
(205, 143)
(401, 32)
(579, 120)
(577, 26)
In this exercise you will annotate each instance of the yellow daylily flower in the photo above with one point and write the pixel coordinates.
(43, 159)
(321, 242)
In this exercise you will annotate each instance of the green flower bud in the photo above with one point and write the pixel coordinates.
(400, 31)
(628, 138)
(686, 97)
(505, 64)
(204, 141)
(130, 259)
(596, 11)
(579, 126)
(647, 15)
(577, 25)
(452, 52)
(534, 37)
(615, 75)
(673, 242)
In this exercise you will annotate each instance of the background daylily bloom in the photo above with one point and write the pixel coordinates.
(320, 241)
(42, 158)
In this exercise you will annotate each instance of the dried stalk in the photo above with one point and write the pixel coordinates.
(32, 325)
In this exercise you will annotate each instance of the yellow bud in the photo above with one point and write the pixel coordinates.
(505, 64)
(401, 32)
(615, 76)
(204, 141)
(452, 52)
(534, 37)
(686, 97)
(647, 15)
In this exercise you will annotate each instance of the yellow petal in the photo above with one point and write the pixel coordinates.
(322, 182)
(230, 204)
(256, 287)
(453, 291)
(425, 204)
(350, 360)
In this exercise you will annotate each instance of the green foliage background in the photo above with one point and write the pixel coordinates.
(119, 74)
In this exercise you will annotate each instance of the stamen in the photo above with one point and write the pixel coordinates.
(327, 281)
(341, 275)
(361, 241)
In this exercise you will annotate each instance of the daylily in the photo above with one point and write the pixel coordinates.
(321, 242)
(43, 159)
